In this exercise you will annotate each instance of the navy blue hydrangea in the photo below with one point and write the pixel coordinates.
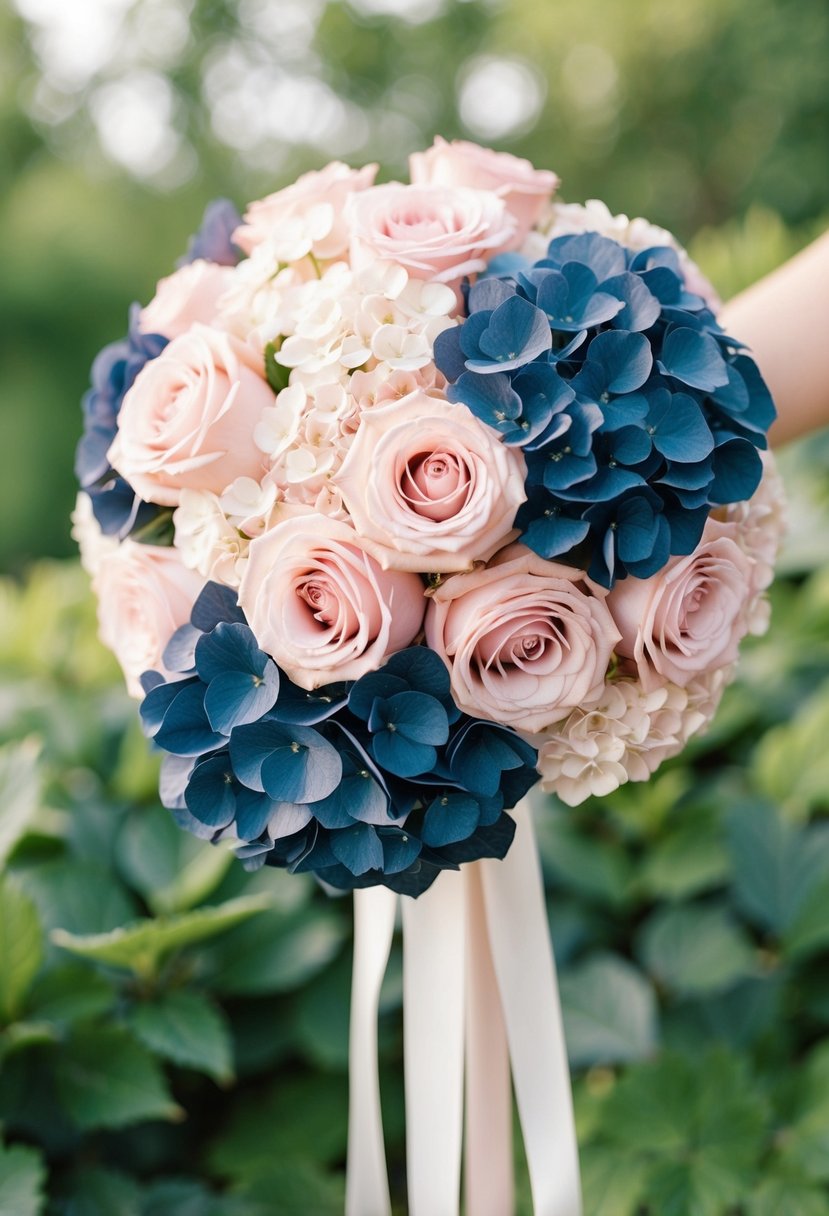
(117, 508)
(382, 780)
(636, 413)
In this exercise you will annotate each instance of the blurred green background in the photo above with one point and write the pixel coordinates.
(173, 1031)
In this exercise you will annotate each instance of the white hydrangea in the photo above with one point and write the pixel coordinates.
(626, 736)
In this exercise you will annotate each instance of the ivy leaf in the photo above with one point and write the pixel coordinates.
(187, 1028)
(609, 1012)
(21, 947)
(695, 949)
(105, 1078)
(142, 945)
(22, 1178)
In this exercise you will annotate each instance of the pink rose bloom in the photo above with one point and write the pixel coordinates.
(438, 233)
(525, 640)
(525, 190)
(189, 418)
(322, 606)
(144, 593)
(323, 193)
(430, 486)
(689, 617)
(189, 295)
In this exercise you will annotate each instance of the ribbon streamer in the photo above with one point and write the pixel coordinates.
(367, 1186)
(478, 974)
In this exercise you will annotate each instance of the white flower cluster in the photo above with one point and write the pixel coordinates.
(626, 736)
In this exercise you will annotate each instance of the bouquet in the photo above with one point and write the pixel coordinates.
(397, 497)
(398, 500)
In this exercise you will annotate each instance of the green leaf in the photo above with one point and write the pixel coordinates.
(592, 867)
(613, 1182)
(791, 762)
(805, 1141)
(694, 949)
(674, 1108)
(301, 1117)
(776, 865)
(809, 931)
(609, 1012)
(275, 952)
(187, 1028)
(78, 896)
(695, 1187)
(21, 1035)
(297, 1188)
(690, 860)
(777, 1196)
(107, 1079)
(70, 993)
(21, 947)
(22, 1178)
(277, 376)
(178, 1197)
(321, 1016)
(173, 870)
(99, 1192)
(142, 946)
(19, 792)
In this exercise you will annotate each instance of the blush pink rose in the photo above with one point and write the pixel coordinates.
(323, 192)
(438, 233)
(144, 593)
(526, 191)
(525, 640)
(430, 486)
(191, 294)
(322, 606)
(688, 618)
(189, 418)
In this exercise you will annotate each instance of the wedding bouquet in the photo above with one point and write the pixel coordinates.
(400, 498)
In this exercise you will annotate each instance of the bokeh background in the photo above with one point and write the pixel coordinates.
(172, 1031)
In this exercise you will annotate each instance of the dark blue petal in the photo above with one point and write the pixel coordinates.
(215, 603)
(307, 707)
(414, 716)
(229, 647)
(375, 684)
(210, 795)
(679, 429)
(641, 309)
(400, 756)
(737, 471)
(235, 698)
(694, 358)
(358, 848)
(516, 333)
(554, 533)
(604, 256)
(448, 356)
(180, 651)
(400, 849)
(185, 729)
(626, 358)
(253, 813)
(290, 763)
(287, 819)
(450, 817)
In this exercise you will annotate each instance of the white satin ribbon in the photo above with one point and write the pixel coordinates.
(367, 1187)
(522, 953)
(489, 1185)
(434, 972)
(471, 937)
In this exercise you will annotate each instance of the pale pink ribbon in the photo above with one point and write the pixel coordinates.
(479, 982)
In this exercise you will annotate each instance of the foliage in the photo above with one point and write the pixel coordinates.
(180, 1027)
